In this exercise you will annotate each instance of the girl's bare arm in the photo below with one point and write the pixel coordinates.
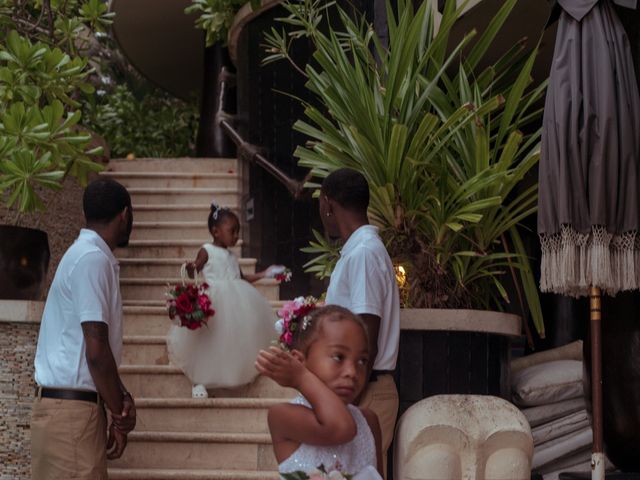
(328, 422)
(201, 258)
(254, 277)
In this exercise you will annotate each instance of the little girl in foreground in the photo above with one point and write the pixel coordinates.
(221, 355)
(328, 366)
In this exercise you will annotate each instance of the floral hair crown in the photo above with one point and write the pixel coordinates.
(217, 209)
(293, 316)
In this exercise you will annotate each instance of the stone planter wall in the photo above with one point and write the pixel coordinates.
(454, 352)
(19, 325)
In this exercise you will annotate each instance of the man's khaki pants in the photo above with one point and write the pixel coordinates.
(68, 440)
(381, 397)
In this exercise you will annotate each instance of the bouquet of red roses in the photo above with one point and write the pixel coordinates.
(190, 303)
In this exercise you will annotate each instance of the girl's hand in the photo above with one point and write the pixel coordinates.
(194, 267)
(191, 268)
(282, 367)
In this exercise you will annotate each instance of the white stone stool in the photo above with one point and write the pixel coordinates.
(470, 437)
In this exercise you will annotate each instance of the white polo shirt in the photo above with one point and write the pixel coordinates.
(364, 281)
(85, 289)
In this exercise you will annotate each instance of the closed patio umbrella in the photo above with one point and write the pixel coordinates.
(589, 184)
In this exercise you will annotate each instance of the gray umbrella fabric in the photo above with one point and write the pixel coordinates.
(589, 178)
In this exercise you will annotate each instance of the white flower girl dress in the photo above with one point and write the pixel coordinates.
(357, 457)
(222, 353)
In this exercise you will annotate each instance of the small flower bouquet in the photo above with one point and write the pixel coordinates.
(190, 303)
(284, 276)
(319, 473)
(292, 316)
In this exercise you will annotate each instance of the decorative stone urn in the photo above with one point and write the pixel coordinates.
(470, 437)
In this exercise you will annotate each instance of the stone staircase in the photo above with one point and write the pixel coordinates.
(177, 437)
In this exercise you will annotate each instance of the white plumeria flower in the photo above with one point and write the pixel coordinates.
(279, 325)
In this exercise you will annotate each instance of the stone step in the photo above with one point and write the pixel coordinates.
(223, 415)
(145, 349)
(167, 381)
(177, 474)
(198, 450)
(175, 179)
(155, 288)
(185, 165)
(182, 196)
(146, 317)
(146, 320)
(167, 267)
(171, 231)
(186, 249)
(175, 213)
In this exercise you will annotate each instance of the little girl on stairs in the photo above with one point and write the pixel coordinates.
(221, 354)
(327, 364)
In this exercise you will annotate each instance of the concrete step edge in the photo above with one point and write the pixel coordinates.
(150, 369)
(192, 224)
(169, 243)
(154, 307)
(144, 339)
(175, 206)
(180, 190)
(217, 402)
(169, 174)
(179, 474)
(199, 437)
(173, 261)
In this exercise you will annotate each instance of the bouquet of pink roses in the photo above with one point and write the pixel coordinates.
(292, 316)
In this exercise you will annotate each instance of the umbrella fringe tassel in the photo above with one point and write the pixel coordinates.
(573, 261)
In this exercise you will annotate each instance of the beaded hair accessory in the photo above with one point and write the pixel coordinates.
(293, 316)
(217, 209)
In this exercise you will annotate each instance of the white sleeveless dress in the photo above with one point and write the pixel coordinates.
(222, 354)
(350, 458)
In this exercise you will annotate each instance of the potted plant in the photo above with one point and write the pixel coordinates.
(41, 140)
(445, 139)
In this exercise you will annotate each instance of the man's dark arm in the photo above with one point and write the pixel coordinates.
(102, 365)
(104, 372)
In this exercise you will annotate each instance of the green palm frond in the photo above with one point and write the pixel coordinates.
(441, 141)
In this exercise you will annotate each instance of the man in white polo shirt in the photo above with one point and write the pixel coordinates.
(364, 281)
(79, 348)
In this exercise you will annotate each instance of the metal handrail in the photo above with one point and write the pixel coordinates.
(246, 150)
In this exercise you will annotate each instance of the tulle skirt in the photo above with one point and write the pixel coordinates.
(222, 354)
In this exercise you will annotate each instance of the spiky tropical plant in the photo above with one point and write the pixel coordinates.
(444, 140)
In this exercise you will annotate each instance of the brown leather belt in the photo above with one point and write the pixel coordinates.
(67, 394)
(373, 376)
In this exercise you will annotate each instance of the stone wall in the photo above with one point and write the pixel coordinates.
(17, 348)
